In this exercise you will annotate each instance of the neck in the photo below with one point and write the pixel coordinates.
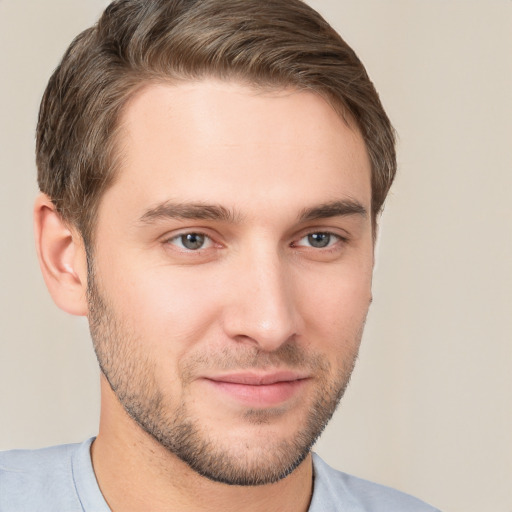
(135, 473)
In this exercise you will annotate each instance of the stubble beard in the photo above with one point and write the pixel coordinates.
(131, 375)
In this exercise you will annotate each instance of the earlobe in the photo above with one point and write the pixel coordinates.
(62, 257)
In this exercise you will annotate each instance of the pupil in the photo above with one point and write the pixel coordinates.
(192, 241)
(319, 239)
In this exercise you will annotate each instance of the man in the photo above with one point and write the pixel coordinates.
(211, 175)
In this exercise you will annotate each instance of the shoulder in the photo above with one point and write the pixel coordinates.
(334, 490)
(38, 479)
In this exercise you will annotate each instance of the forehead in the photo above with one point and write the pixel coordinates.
(215, 141)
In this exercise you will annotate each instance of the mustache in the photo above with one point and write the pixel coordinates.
(289, 355)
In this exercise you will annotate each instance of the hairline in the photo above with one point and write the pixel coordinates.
(115, 151)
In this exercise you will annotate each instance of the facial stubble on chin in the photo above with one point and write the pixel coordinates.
(131, 375)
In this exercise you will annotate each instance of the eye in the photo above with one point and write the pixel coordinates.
(191, 241)
(319, 240)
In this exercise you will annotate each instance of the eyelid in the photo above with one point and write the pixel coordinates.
(210, 242)
(337, 238)
(339, 234)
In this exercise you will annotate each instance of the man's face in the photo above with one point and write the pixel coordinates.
(231, 273)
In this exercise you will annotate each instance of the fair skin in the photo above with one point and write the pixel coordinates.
(241, 328)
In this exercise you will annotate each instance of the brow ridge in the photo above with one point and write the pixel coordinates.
(338, 208)
(200, 211)
(206, 211)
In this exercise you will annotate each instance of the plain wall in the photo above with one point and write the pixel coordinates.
(429, 409)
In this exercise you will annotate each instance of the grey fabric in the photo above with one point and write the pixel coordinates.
(61, 479)
(55, 479)
(335, 491)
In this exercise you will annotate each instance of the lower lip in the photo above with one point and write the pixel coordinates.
(266, 395)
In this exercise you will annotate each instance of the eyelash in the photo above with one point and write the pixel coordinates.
(334, 239)
(181, 236)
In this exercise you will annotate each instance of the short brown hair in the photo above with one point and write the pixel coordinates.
(267, 43)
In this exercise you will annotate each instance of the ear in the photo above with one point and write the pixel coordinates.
(62, 257)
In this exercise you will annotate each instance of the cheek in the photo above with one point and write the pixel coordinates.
(166, 307)
(334, 305)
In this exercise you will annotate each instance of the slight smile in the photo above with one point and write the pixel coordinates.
(259, 389)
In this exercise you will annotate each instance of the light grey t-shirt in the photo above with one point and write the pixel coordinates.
(61, 479)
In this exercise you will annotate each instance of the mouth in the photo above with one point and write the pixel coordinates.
(259, 389)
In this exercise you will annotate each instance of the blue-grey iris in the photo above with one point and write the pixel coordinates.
(319, 240)
(192, 241)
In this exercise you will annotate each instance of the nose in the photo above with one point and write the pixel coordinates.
(262, 303)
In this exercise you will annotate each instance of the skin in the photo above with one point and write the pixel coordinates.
(278, 171)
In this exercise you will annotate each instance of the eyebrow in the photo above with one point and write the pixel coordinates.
(204, 211)
(201, 211)
(333, 209)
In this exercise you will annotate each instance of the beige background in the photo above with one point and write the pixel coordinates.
(430, 407)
